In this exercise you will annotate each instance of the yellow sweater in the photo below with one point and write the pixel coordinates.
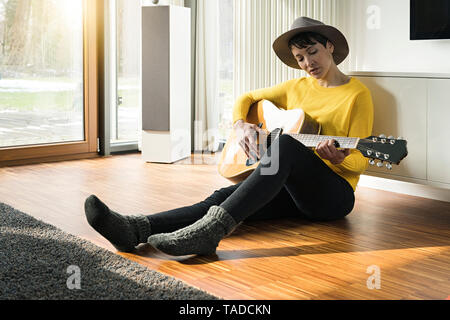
(346, 110)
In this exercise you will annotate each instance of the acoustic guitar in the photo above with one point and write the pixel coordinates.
(236, 166)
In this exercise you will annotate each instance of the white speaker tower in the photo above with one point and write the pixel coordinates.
(166, 83)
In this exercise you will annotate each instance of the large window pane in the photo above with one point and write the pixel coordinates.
(41, 72)
(128, 72)
(226, 68)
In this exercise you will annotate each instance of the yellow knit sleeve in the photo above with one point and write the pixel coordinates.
(361, 122)
(276, 94)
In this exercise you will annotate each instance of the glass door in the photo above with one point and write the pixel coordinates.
(125, 126)
(122, 74)
(45, 83)
(41, 84)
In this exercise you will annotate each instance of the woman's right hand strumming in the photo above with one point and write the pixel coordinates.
(248, 135)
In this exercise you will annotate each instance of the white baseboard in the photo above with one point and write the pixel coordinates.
(413, 189)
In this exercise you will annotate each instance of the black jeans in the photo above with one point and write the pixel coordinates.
(290, 181)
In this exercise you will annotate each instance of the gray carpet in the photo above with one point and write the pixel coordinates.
(35, 260)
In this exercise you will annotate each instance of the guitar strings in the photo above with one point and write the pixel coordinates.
(310, 138)
(361, 147)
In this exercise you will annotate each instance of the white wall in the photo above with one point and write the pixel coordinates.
(378, 35)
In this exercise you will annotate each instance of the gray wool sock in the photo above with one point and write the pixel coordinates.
(202, 237)
(124, 232)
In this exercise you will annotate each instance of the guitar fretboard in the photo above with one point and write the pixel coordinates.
(312, 140)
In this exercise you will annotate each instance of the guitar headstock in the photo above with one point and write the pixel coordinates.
(386, 150)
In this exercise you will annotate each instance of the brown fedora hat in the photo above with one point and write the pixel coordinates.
(305, 24)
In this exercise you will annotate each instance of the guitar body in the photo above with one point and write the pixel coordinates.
(233, 161)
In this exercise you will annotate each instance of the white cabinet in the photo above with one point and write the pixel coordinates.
(418, 109)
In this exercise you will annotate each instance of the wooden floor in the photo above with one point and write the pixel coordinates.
(407, 238)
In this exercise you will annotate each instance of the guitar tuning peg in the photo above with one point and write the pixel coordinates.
(391, 137)
(382, 136)
(372, 162)
(389, 166)
(380, 164)
(400, 138)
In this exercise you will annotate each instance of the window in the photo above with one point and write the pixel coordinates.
(48, 80)
(41, 72)
(125, 117)
(225, 68)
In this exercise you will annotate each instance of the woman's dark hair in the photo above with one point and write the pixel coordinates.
(304, 39)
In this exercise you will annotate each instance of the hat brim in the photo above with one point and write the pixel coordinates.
(281, 48)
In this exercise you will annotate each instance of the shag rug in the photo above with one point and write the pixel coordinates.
(39, 261)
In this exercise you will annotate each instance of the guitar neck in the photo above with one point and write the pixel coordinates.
(312, 140)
